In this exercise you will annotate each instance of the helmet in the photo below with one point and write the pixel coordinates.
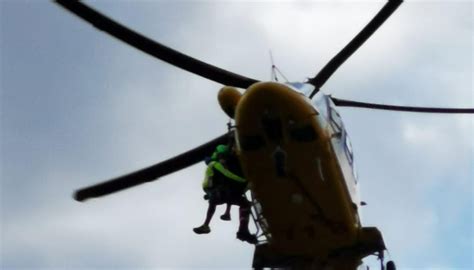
(222, 149)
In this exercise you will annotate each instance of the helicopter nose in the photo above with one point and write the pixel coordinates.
(273, 114)
(280, 145)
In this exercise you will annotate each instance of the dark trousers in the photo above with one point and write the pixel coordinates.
(219, 196)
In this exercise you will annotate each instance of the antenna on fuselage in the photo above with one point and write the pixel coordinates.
(275, 70)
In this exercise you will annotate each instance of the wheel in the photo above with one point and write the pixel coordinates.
(391, 265)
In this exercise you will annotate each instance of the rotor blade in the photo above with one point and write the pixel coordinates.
(320, 79)
(350, 103)
(151, 173)
(154, 48)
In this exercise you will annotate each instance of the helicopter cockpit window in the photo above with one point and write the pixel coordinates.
(321, 103)
(302, 88)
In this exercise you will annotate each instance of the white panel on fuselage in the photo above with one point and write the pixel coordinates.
(340, 142)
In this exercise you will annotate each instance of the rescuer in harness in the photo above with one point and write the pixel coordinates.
(222, 149)
(223, 184)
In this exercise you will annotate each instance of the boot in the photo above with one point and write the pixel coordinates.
(204, 229)
(247, 237)
(225, 217)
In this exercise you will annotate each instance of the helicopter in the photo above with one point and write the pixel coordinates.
(272, 140)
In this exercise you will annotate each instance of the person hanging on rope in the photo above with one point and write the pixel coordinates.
(223, 150)
(222, 185)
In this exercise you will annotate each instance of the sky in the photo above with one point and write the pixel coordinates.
(79, 107)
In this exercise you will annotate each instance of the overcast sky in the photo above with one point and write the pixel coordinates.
(79, 107)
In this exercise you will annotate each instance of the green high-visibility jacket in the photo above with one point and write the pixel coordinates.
(215, 165)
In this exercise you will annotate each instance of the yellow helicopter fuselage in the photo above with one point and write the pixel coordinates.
(298, 160)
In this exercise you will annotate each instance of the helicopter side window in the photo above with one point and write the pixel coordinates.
(336, 121)
(354, 172)
(349, 152)
(350, 157)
